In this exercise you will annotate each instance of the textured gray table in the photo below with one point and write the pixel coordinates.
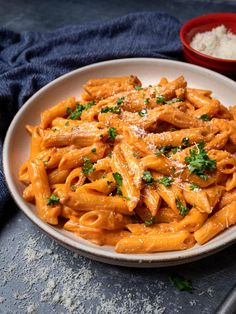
(37, 275)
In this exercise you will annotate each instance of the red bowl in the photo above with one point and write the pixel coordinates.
(202, 24)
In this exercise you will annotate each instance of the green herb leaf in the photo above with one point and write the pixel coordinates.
(74, 115)
(164, 150)
(194, 186)
(205, 117)
(137, 87)
(53, 199)
(181, 283)
(147, 101)
(160, 99)
(143, 112)
(93, 150)
(67, 123)
(150, 221)
(199, 162)
(120, 101)
(118, 177)
(147, 177)
(115, 110)
(118, 191)
(88, 166)
(112, 133)
(183, 210)
(172, 101)
(166, 181)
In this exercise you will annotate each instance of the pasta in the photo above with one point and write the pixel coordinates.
(143, 169)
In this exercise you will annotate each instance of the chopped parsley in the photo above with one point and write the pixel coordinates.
(120, 101)
(67, 123)
(74, 115)
(175, 150)
(205, 117)
(160, 99)
(194, 186)
(109, 154)
(181, 283)
(164, 150)
(166, 181)
(118, 191)
(199, 162)
(53, 199)
(147, 101)
(112, 134)
(185, 142)
(115, 109)
(137, 87)
(88, 166)
(54, 129)
(93, 150)
(118, 177)
(143, 112)
(173, 169)
(147, 177)
(172, 101)
(183, 210)
(150, 221)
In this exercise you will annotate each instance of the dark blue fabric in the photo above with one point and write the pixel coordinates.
(29, 60)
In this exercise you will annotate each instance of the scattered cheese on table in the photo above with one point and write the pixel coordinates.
(219, 42)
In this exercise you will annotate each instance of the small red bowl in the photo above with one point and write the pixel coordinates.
(203, 24)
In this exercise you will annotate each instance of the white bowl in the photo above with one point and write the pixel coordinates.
(16, 149)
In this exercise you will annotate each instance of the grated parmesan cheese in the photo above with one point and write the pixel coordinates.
(219, 42)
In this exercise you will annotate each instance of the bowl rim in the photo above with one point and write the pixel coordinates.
(94, 252)
(188, 24)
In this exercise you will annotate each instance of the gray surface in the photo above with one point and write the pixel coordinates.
(97, 288)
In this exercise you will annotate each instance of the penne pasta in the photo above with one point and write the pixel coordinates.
(142, 169)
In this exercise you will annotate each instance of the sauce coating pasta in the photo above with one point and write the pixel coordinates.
(144, 169)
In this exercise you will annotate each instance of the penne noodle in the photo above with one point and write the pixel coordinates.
(143, 169)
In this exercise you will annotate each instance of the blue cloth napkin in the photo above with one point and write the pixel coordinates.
(29, 60)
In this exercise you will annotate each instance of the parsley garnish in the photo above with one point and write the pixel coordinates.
(93, 150)
(194, 186)
(115, 109)
(67, 123)
(150, 221)
(53, 199)
(163, 150)
(183, 210)
(175, 150)
(74, 115)
(112, 133)
(120, 101)
(160, 99)
(118, 178)
(205, 117)
(147, 177)
(137, 87)
(88, 166)
(143, 112)
(118, 191)
(199, 162)
(181, 283)
(147, 101)
(166, 181)
(172, 101)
